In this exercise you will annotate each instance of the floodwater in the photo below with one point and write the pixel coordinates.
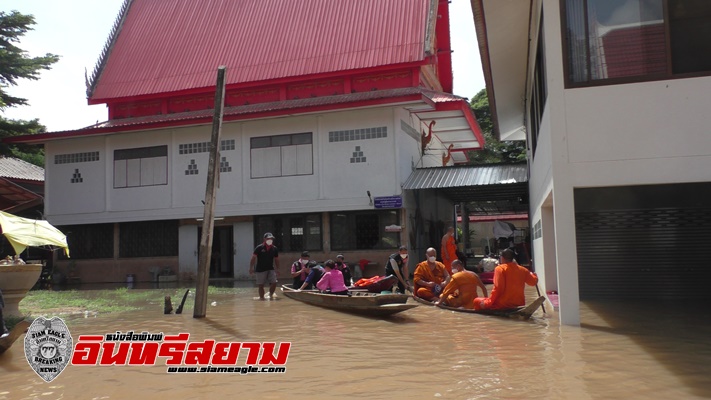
(635, 351)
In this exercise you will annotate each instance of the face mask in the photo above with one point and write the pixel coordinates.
(304, 261)
(403, 256)
(269, 242)
(432, 258)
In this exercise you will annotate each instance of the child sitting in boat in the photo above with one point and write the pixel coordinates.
(332, 280)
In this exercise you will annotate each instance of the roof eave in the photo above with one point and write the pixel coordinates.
(205, 120)
(504, 57)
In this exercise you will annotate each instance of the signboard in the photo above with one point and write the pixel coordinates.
(388, 202)
(393, 228)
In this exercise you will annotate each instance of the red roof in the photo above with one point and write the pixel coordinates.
(438, 100)
(161, 46)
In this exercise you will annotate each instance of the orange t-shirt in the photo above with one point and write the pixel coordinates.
(510, 280)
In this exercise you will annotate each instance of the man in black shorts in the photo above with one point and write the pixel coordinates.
(265, 257)
(397, 265)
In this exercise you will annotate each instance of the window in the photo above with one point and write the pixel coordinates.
(204, 147)
(539, 91)
(364, 230)
(144, 166)
(612, 41)
(89, 241)
(294, 232)
(148, 239)
(76, 157)
(282, 155)
(358, 134)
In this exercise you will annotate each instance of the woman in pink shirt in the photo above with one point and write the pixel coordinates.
(332, 280)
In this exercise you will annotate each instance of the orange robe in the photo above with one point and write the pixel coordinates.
(510, 279)
(423, 272)
(448, 252)
(466, 283)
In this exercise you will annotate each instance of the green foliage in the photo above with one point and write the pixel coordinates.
(31, 154)
(66, 302)
(494, 151)
(16, 64)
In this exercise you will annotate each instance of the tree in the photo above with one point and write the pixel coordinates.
(494, 151)
(16, 64)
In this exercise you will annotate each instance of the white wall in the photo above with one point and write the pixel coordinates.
(188, 249)
(653, 132)
(189, 190)
(136, 198)
(63, 196)
(336, 183)
(408, 143)
(343, 179)
(243, 239)
(541, 173)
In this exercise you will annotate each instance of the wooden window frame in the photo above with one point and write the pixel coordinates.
(669, 75)
(271, 144)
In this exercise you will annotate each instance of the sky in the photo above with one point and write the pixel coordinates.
(77, 30)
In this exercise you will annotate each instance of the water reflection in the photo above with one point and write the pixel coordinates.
(631, 352)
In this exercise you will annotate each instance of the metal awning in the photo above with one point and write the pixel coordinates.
(14, 198)
(452, 121)
(489, 189)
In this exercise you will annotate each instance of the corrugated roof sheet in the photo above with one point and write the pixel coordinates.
(14, 168)
(296, 106)
(172, 45)
(464, 176)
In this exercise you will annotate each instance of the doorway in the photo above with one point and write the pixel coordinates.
(222, 260)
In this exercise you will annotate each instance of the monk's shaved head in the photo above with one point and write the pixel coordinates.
(431, 251)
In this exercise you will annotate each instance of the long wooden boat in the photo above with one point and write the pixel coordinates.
(523, 312)
(422, 301)
(15, 334)
(358, 302)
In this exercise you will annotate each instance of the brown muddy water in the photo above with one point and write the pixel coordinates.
(631, 351)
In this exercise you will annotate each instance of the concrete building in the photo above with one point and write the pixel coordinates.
(612, 98)
(329, 108)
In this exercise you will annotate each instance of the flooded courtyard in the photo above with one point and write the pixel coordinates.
(635, 351)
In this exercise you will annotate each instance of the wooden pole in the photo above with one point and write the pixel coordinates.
(208, 222)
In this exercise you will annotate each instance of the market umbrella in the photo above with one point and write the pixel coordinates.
(24, 232)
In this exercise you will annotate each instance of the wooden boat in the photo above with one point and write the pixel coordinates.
(384, 283)
(15, 333)
(358, 302)
(524, 312)
(422, 301)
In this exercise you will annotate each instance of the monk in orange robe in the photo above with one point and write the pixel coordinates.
(510, 280)
(449, 249)
(462, 289)
(430, 277)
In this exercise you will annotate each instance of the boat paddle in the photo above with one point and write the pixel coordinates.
(543, 306)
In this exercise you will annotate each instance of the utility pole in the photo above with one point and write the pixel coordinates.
(208, 222)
